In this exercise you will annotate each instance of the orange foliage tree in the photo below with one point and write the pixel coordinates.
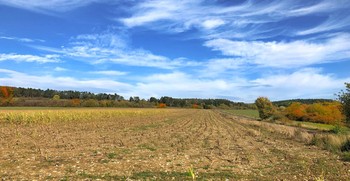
(296, 111)
(6, 95)
(329, 112)
(75, 102)
(161, 105)
(195, 106)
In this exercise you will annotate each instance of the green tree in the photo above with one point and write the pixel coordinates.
(265, 107)
(344, 98)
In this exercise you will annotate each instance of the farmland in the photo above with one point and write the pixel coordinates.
(159, 144)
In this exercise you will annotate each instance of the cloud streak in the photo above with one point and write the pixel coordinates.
(29, 58)
(285, 54)
(47, 6)
(245, 20)
(108, 47)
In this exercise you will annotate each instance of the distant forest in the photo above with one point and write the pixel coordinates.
(69, 98)
(50, 97)
(303, 101)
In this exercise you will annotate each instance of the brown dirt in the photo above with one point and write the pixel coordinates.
(162, 146)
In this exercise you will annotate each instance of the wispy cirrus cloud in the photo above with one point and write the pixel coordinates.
(26, 40)
(47, 6)
(285, 54)
(109, 72)
(110, 47)
(30, 58)
(250, 19)
(334, 22)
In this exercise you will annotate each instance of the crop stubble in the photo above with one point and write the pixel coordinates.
(157, 143)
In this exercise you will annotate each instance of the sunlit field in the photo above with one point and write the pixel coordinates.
(157, 144)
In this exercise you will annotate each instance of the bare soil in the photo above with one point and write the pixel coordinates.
(162, 146)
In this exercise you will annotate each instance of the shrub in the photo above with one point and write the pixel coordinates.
(161, 105)
(56, 97)
(75, 102)
(265, 107)
(90, 103)
(327, 112)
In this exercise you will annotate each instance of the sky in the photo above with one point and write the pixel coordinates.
(232, 49)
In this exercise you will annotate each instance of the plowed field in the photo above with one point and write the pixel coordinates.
(159, 144)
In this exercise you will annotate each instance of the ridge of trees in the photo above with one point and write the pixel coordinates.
(83, 98)
(288, 102)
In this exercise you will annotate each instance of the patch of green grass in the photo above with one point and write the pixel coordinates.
(111, 155)
(310, 125)
(244, 112)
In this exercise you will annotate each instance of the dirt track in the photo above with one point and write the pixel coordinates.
(162, 146)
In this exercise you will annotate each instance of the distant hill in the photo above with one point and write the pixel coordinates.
(303, 101)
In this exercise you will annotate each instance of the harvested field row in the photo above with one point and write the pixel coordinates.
(158, 144)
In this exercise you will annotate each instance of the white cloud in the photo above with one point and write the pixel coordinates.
(60, 69)
(305, 83)
(109, 72)
(221, 66)
(285, 54)
(30, 58)
(14, 78)
(213, 23)
(44, 6)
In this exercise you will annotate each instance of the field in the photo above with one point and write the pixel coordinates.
(157, 144)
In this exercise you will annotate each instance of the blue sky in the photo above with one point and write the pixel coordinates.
(237, 50)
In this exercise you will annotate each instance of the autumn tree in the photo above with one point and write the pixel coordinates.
(6, 95)
(344, 98)
(296, 111)
(265, 107)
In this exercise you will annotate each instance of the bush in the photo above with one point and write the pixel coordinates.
(90, 103)
(265, 107)
(161, 105)
(327, 112)
(56, 97)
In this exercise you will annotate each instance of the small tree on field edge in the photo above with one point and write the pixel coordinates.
(56, 97)
(344, 98)
(265, 107)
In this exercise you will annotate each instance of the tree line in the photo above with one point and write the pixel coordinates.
(49, 97)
